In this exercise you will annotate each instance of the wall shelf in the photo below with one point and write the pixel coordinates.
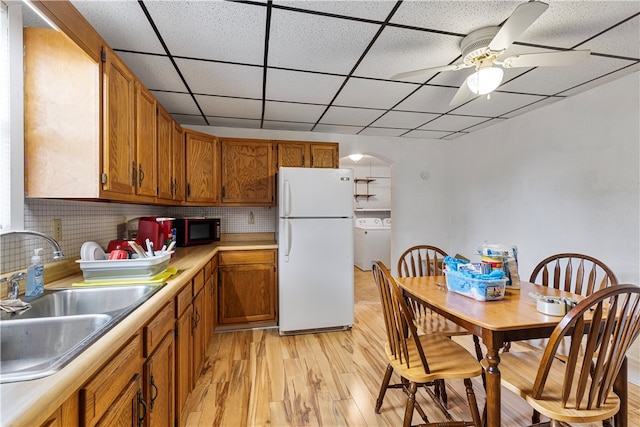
(366, 193)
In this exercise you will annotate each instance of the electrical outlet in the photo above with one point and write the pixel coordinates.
(252, 220)
(56, 229)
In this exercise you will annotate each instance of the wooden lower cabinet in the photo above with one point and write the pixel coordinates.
(158, 368)
(115, 392)
(247, 287)
(211, 300)
(183, 357)
(66, 415)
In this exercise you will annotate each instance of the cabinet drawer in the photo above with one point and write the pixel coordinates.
(207, 271)
(247, 257)
(183, 299)
(104, 388)
(198, 282)
(214, 263)
(158, 328)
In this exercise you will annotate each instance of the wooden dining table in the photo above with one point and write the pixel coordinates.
(513, 318)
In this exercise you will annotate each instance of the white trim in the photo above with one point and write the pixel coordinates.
(17, 115)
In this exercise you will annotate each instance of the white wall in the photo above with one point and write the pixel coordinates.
(564, 178)
(561, 178)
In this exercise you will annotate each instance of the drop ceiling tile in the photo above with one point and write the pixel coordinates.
(426, 134)
(624, 40)
(350, 116)
(347, 130)
(375, 10)
(230, 107)
(295, 126)
(552, 80)
(398, 50)
(454, 136)
(460, 17)
(402, 119)
(500, 103)
(372, 93)
(568, 23)
(284, 85)
(233, 123)
(288, 111)
(177, 103)
(215, 78)
(122, 24)
(156, 72)
(542, 103)
(185, 119)
(219, 30)
(453, 123)
(485, 124)
(318, 43)
(429, 99)
(373, 131)
(602, 80)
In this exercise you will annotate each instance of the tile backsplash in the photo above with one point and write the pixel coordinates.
(99, 222)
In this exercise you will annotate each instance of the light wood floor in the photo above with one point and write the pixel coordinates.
(257, 378)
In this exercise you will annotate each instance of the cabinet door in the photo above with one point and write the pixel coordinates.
(146, 174)
(164, 137)
(198, 339)
(293, 154)
(201, 168)
(129, 409)
(183, 361)
(211, 300)
(247, 172)
(247, 294)
(178, 173)
(158, 384)
(324, 155)
(119, 113)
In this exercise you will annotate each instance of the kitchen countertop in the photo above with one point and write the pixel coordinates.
(30, 403)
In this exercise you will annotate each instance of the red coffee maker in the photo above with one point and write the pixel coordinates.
(159, 231)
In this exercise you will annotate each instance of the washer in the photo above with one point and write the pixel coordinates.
(372, 242)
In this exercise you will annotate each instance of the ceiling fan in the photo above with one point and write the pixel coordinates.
(482, 48)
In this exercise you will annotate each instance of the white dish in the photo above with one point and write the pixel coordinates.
(91, 251)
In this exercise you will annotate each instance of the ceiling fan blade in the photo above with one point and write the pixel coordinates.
(462, 95)
(521, 18)
(547, 59)
(452, 67)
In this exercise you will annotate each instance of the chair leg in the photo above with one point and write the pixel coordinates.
(473, 403)
(480, 356)
(443, 391)
(383, 387)
(535, 417)
(411, 401)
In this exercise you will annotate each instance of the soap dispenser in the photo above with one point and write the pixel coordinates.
(35, 276)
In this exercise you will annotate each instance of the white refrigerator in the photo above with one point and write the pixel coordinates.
(315, 249)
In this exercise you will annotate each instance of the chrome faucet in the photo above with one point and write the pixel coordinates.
(57, 250)
(14, 284)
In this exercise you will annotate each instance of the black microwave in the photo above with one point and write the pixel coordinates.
(197, 231)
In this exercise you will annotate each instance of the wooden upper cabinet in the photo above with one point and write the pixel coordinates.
(164, 135)
(146, 144)
(293, 154)
(307, 154)
(179, 185)
(61, 117)
(202, 170)
(248, 173)
(324, 155)
(120, 169)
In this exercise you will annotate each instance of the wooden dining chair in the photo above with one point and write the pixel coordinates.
(419, 360)
(427, 260)
(579, 389)
(576, 273)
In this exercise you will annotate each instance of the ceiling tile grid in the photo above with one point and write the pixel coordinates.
(327, 66)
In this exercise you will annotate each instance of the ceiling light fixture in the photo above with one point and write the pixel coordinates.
(485, 80)
(356, 157)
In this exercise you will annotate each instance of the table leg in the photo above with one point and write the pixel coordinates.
(621, 388)
(493, 388)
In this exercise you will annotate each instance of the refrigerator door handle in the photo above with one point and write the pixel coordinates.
(286, 198)
(287, 240)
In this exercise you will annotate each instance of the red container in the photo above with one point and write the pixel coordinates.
(159, 231)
